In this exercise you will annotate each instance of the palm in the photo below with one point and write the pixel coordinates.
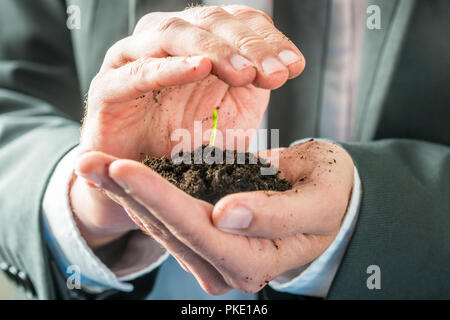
(144, 125)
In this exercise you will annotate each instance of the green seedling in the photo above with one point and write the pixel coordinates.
(214, 128)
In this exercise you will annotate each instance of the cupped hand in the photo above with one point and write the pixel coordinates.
(170, 72)
(246, 239)
(175, 68)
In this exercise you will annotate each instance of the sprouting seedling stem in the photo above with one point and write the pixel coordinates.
(214, 127)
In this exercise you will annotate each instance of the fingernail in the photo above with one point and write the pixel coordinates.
(238, 217)
(271, 65)
(288, 57)
(239, 62)
(123, 185)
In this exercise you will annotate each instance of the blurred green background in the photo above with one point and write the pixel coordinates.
(6, 289)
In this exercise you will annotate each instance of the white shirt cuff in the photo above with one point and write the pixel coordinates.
(315, 280)
(142, 255)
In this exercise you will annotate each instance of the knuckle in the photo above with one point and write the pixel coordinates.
(237, 9)
(111, 52)
(170, 24)
(207, 43)
(148, 19)
(251, 42)
(213, 45)
(209, 12)
(243, 12)
(137, 70)
(139, 73)
(115, 55)
(276, 39)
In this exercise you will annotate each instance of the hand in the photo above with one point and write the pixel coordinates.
(273, 232)
(173, 69)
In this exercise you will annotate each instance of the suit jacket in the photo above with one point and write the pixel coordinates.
(401, 145)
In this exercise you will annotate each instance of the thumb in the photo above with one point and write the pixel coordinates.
(273, 215)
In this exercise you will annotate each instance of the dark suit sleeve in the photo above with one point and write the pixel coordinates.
(39, 98)
(403, 225)
(40, 110)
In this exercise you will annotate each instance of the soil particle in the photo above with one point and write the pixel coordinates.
(275, 244)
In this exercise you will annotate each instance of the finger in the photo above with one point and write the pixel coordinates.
(146, 74)
(167, 35)
(207, 276)
(93, 166)
(263, 26)
(184, 216)
(276, 214)
(314, 205)
(246, 264)
(272, 73)
(173, 207)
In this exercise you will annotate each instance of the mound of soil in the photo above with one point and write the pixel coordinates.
(211, 181)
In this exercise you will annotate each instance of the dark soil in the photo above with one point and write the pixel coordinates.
(210, 182)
